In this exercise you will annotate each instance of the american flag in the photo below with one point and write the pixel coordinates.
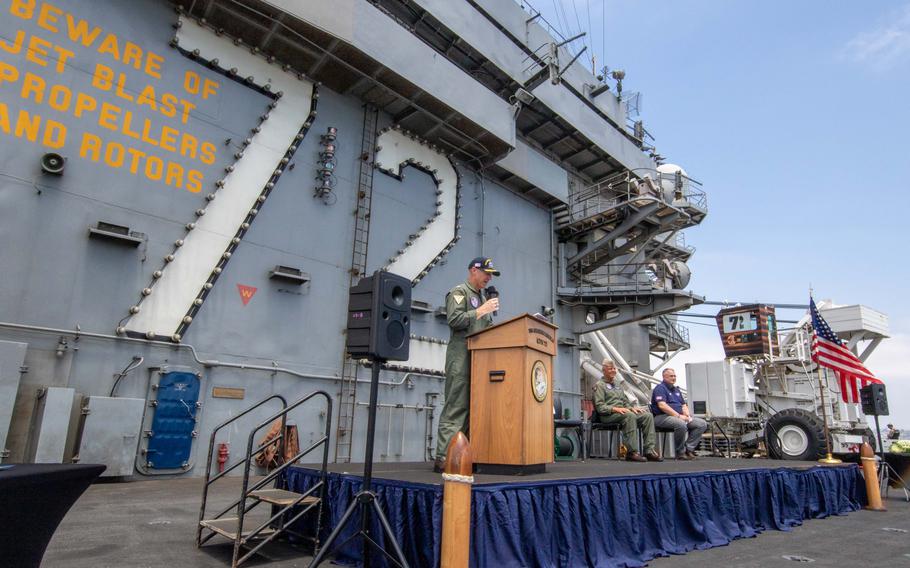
(829, 351)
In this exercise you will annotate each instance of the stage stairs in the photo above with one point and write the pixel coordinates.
(250, 532)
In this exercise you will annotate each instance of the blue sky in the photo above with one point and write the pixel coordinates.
(794, 116)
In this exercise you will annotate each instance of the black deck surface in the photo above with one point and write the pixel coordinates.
(422, 472)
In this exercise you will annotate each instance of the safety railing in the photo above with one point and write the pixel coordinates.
(667, 329)
(571, 46)
(679, 241)
(637, 276)
(675, 189)
(243, 506)
(209, 480)
(715, 427)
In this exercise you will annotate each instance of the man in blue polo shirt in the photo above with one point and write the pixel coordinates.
(671, 412)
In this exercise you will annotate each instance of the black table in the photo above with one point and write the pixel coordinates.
(33, 500)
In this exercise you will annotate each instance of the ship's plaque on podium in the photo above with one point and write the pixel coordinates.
(512, 396)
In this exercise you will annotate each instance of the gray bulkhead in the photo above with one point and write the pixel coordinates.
(54, 276)
(68, 296)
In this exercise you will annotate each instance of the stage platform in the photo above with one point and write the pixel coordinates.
(597, 513)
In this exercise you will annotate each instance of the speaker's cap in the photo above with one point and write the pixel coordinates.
(485, 264)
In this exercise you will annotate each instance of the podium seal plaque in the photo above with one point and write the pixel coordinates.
(539, 381)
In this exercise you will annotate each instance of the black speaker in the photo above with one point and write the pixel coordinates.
(874, 399)
(379, 317)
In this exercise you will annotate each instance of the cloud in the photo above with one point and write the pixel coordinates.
(883, 46)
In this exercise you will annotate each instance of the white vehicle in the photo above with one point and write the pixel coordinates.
(780, 403)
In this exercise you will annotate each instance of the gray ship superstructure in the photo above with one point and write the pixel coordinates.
(188, 193)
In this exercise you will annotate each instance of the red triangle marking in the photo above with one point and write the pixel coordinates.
(246, 293)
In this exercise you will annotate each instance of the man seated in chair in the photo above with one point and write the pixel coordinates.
(613, 407)
(671, 412)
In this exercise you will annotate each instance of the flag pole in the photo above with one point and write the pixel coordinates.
(828, 459)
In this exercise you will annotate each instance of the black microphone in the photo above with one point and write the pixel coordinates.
(492, 292)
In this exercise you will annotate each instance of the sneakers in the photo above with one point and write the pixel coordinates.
(691, 454)
(653, 456)
(635, 457)
(685, 456)
(439, 466)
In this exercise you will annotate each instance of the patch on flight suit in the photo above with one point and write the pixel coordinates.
(458, 297)
(474, 302)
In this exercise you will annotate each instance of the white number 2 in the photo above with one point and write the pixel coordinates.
(397, 149)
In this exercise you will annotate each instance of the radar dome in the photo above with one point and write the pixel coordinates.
(668, 180)
(682, 274)
(670, 169)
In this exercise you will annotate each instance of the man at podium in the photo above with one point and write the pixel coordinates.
(467, 310)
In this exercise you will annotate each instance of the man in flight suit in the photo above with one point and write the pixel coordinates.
(613, 407)
(467, 310)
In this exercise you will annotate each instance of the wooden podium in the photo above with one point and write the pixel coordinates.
(512, 396)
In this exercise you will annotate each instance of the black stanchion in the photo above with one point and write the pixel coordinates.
(885, 471)
(366, 501)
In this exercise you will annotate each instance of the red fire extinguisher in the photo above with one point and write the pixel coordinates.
(222, 456)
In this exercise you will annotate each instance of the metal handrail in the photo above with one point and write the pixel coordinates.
(241, 505)
(320, 485)
(208, 465)
(258, 451)
(679, 241)
(555, 33)
(664, 327)
(624, 187)
(633, 276)
(716, 426)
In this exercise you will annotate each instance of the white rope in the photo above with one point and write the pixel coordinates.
(458, 478)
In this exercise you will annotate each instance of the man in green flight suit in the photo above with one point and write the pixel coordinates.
(613, 407)
(467, 310)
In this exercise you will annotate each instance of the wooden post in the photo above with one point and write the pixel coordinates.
(873, 491)
(456, 504)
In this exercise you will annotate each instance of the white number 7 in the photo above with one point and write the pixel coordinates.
(168, 305)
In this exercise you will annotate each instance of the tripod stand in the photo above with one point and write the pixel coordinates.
(886, 472)
(366, 501)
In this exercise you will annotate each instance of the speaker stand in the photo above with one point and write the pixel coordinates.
(366, 501)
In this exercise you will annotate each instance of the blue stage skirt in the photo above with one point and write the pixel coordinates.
(596, 522)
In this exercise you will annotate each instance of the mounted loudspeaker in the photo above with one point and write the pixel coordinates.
(52, 163)
(524, 97)
(874, 399)
(379, 317)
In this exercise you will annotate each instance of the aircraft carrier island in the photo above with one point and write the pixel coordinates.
(189, 193)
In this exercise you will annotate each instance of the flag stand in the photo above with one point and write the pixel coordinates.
(828, 459)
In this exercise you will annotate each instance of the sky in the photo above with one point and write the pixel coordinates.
(794, 116)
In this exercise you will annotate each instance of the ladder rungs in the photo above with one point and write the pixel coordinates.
(227, 526)
(281, 497)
